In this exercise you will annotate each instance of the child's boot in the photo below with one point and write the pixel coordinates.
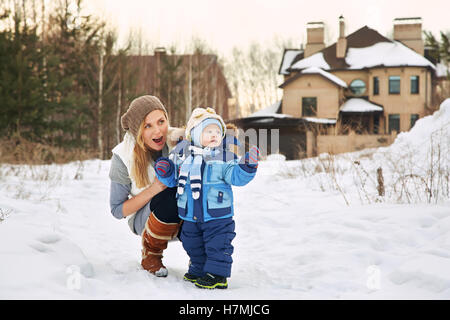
(212, 281)
(190, 277)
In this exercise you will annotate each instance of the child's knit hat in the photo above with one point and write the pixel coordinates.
(197, 119)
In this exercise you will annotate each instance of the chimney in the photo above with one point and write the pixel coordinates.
(159, 53)
(314, 38)
(341, 45)
(409, 32)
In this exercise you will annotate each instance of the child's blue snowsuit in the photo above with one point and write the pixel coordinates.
(208, 226)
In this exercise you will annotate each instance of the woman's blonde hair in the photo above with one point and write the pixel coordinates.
(142, 156)
(141, 160)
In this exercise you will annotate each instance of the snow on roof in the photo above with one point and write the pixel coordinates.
(270, 111)
(327, 75)
(316, 60)
(412, 20)
(313, 25)
(320, 120)
(389, 54)
(359, 105)
(288, 57)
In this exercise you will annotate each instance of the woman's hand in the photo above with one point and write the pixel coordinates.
(156, 187)
(134, 204)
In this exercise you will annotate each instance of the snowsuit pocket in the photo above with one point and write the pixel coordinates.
(219, 201)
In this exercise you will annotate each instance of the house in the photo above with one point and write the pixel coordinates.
(371, 86)
(358, 92)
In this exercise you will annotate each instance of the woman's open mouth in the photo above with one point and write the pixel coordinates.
(159, 140)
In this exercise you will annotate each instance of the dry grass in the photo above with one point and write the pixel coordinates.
(22, 151)
(33, 172)
(398, 177)
(4, 213)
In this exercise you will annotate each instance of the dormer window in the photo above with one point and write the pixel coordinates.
(309, 106)
(358, 87)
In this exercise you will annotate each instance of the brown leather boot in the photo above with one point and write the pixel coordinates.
(154, 241)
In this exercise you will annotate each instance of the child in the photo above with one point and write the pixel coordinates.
(205, 197)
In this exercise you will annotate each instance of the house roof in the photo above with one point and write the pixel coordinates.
(320, 120)
(272, 111)
(329, 76)
(357, 105)
(315, 60)
(315, 70)
(290, 56)
(366, 48)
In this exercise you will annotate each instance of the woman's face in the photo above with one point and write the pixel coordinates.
(155, 129)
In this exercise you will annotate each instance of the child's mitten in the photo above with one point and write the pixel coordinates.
(249, 162)
(252, 157)
(164, 167)
(165, 171)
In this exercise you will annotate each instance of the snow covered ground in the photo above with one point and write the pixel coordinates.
(296, 236)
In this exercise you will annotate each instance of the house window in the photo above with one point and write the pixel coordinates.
(414, 84)
(358, 87)
(394, 122)
(376, 86)
(309, 106)
(414, 118)
(394, 85)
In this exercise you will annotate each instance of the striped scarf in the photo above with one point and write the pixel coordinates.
(191, 167)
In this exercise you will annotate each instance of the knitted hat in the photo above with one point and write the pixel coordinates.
(196, 132)
(137, 111)
(197, 117)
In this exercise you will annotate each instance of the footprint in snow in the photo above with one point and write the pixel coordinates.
(49, 238)
(44, 241)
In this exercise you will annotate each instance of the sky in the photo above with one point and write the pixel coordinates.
(224, 24)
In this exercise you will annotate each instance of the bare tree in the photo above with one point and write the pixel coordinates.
(253, 73)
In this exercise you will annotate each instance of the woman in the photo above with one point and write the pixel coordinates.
(136, 194)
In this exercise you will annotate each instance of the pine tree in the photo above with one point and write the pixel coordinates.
(125, 84)
(75, 41)
(438, 51)
(24, 108)
(61, 81)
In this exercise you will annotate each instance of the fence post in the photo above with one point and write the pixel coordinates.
(380, 181)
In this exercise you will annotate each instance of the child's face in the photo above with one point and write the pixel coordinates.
(211, 136)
